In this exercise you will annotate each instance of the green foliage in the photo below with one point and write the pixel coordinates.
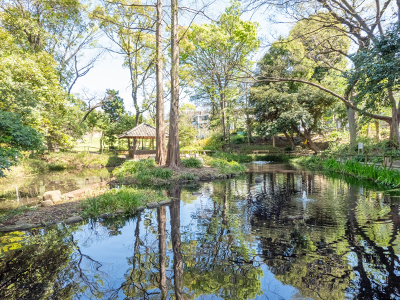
(163, 173)
(383, 176)
(14, 138)
(227, 167)
(240, 158)
(214, 142)
(125, 198)
(187, 176)
(238, 139)
(143, 170)
(191, 162)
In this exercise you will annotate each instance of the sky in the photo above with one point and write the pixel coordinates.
(108, 72)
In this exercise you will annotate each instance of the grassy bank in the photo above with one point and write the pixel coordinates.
(383, 176)
(42, 164)
(247, 158)
(146, 172)
(125, 199)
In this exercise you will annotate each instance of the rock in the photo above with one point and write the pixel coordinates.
(18, 227)
(200, 159)
(197, 193)
(120, 211)
(71, 220)
(152, 204)
(69, 196)
(46, 203)
(165, 202)
(258, 180)
(55, 196)
(233, 175)
(140, 208)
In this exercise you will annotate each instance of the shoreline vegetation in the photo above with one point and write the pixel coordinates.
(135, 185)
(385, 177)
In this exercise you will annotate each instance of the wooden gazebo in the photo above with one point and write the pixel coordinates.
(140, 133)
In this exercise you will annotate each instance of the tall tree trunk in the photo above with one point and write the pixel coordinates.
(377, 130)
(352, 118)
(176, 242)
(394, 125)
(173, 157)
(289, 138)
(161, 149)
(223, 120)
(273, 141)
(162, 247)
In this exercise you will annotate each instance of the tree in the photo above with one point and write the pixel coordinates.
(187, 132)
(127, 27)
(173, 155)
(14, 138)
(288, 107)
(354, 21)
(291, 108)
(30, 87)
(160, 118)
(220, 52)
(60, 28)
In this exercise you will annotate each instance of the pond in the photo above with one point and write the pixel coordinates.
(31, 189)
(275, 233)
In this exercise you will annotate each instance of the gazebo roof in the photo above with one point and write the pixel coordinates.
(144, 131)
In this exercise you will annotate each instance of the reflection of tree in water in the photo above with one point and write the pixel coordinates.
(49, 265)
(220, 262)
(330, 257)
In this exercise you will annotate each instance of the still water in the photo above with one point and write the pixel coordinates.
(275, 233)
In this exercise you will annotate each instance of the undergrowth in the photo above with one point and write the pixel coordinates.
(143, 170)
(125, 198)
(380, 175)
(191, 162)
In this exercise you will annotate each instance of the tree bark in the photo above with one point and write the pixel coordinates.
(352, 118)
(161, 149)
(377, 130)
(307, 139)
(394, 124)
(273, 141)
(173, 156)
(162, 247)
(289, 138)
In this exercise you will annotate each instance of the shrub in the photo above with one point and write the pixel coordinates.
(238, 139)
(214, 142)
(133, 167)
(163, 173)
(56, 167)
(125, 198)
(187, 176)
(191, 163)
(227, 167)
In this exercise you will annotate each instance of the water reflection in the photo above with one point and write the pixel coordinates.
(278, 233)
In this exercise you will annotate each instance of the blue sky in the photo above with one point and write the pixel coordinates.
(108, 72)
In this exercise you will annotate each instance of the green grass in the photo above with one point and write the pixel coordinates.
(187, 176)
(9, 213)
(191, 163)
(386, 177)
(227, 167)
(143, 170)
(125, 198)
